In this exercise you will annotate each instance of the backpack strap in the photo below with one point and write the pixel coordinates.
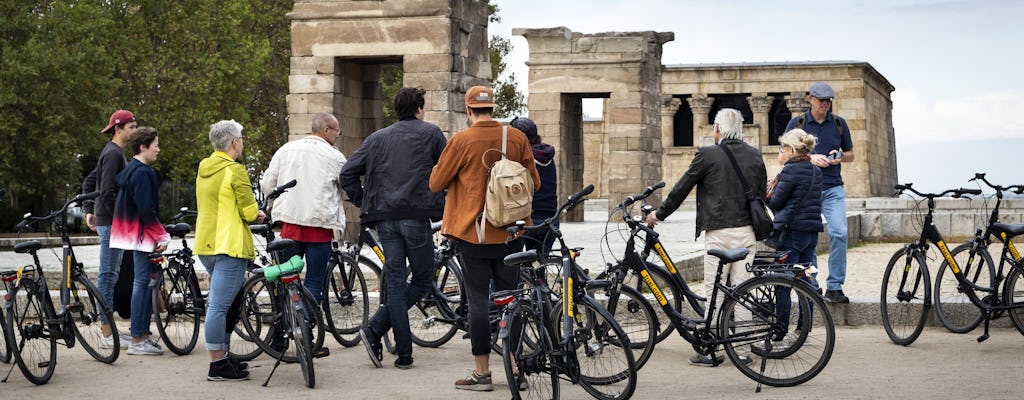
(481, 224)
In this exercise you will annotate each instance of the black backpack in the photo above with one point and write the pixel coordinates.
(801, 119)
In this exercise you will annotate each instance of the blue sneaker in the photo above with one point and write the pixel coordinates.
(705, 361)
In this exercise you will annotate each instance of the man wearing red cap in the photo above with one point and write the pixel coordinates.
(99, 216)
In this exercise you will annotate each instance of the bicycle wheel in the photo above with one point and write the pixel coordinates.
(85, 315)
(606, 365)
(5, 350)
(279, 317)
(177, 305)
(1013, 293)
(673, 293)
(906, 296)
(636, 317)
(32, 342)
(527, 356)
(432, 319)
(953, 308)
(300, 333)
(749, 318)
(346, 304)
(255, 319)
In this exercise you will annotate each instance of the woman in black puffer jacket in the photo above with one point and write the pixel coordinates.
(795, 198)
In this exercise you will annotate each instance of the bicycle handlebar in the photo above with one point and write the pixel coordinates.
(1018, 189)
(280, 189)
(28, 218)
(643, 195)
(955, 192)
(182, 213)
(574, 200)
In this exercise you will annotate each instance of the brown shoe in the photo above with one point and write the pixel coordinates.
(475, 382)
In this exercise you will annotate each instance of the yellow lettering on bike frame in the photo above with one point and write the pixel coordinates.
(380, 254)
(1013, 249)
(664, 258)
(654, 287)
(949, 257)
(67, 269)
(568, 298)
(19, 273)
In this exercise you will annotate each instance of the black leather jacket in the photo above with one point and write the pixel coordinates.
(721, 202)
(395, 164)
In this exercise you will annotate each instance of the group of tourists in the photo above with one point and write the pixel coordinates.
(408, 174)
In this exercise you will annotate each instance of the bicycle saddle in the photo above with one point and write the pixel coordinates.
(29, 246)
(521, 258)
(281, 244)
(259, 229)
(178, 230)
(731, 255)
(1011, 230)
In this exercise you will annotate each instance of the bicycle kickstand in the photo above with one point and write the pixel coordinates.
(9, 370)
(984, 336)
(276, 364)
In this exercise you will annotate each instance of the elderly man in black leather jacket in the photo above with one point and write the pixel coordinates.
(394, 195)
(723, 211)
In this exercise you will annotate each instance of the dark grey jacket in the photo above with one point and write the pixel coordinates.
(394, 164)
(721, 202)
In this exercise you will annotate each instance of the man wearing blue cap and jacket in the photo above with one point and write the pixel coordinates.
(834, 147)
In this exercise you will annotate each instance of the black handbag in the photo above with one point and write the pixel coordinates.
(759, 219)
(778, 236)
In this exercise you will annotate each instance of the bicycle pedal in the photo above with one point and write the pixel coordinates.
(76, 307)
(322, 352)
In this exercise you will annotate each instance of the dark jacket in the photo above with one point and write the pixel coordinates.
(721, 201)
(545, 199)
(136, 224)
(104, 179)
(792, 210)
(394, 164)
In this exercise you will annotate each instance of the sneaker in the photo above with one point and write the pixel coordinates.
(240, 365)
(776, 345)
(836, 296)
(745, 359)
(705, 361)
(403, 362)
(107, 342)
(153, 342)
(373, 347)
(476, 382)
(225, 370)
(144, 348)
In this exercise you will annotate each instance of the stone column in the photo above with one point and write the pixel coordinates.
(669, 107)
(797, 103)
(700, 104)
(760, 105)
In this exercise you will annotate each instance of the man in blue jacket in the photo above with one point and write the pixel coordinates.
(394, 195)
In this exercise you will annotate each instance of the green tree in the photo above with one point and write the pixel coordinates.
(506, 89)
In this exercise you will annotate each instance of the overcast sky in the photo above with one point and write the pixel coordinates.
(956, 65)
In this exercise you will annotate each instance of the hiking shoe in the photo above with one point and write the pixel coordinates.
(836, 296)
(144, 348)
(373, 347)
(225, 370)
(403, 362)
(705, 361)
(475, 382)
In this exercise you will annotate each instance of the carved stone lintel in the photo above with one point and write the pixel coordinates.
(669, 105)
(700, 104)
(797, 103)
(760, 104)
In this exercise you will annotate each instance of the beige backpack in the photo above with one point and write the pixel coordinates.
(509, 196)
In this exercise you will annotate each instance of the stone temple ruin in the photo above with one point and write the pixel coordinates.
(655, 115)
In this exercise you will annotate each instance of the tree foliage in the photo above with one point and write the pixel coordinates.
(506, 89)
(179, 65)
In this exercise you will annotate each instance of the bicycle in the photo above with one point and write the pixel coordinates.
(906, 284)
(952, 308)
(989, 302)
(541, 346)
(178, 302)
(346, 303)
(752, 327)
(8, 278)
(33, 323)
(290, 314)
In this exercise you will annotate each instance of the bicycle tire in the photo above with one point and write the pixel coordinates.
(749, 316)
(318, 333)
(177, 302)
(5, 350)
(636, 317)
(87, 321)
(904, 311)
(1013, 293)
(953, 309)
(533, 359)
(251, 330)
(595, 331)
(32, 342)
(301, 333)
(346, 302)
(432, 320)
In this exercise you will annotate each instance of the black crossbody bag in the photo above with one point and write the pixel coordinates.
(759, 219)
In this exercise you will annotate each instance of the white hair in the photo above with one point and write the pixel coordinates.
(223, 132)
(730, 123)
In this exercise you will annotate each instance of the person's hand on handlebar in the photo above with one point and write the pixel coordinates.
(260, 217)
(90, 221)
(652, 219)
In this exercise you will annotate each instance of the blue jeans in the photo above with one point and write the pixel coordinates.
(110, 267)
(316, 255)
(226, 277)
(401, 240)
(142, 297)
(801, 247)
(833, 206)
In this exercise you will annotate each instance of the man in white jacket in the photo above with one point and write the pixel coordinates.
(312, 210)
